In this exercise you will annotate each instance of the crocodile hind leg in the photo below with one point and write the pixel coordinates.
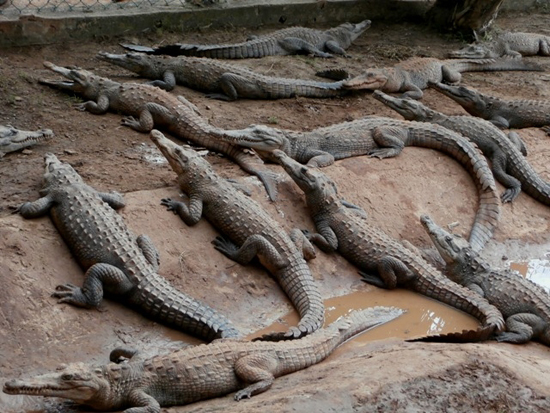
(522, 328)
(147, 116)
(513, 186)
(255, 369)
(391, 273)
(114, 199)
(149, 250)
(232, 84)
(449, 75)
(303, 244)
(99, 277)
(296, 45)
(391, 139)
(518, 142)
(36, 209)
(255, 245)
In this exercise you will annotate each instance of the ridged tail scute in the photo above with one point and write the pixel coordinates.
(498, 64)
(486, 220)
(157, 298)
(360, 321)
(465, 336)
(138, 48)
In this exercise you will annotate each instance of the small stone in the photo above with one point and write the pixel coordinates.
(69, 152)
(18, 99)
(26, 151)
(504, 258)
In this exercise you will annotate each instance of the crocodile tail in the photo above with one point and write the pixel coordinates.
(531, 182)
(138, 48)
(465, 336)
(487, 217)
(498, 64)
(334, 74)
(157, 298)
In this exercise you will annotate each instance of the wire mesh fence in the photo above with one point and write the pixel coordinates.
(14, 8)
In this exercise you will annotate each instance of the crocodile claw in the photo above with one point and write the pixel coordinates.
(225, 246)
(510, 194)
(170, 204)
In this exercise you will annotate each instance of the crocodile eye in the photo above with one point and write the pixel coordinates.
(448, 239)
(67, 376)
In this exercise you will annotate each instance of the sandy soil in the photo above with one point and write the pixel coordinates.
(37, 334)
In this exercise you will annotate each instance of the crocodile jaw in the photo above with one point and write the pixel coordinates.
(447, 244)
(12, 139)
(135, 62)
(259, 137)
(359, 29)
(470, 52)
(369, 80)
(408, 108)
(79, 80)
(74, 383)
(177, 156)
(463, 96)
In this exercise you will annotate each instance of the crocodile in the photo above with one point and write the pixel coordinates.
(116, 262)
(289, 41)
(524, 304)
(250, 230)
(156, 107)
(381, 137)
(412, 76)
(197, 373)
(223, 80)
(510, 44)
(503, 113)
(12, 139)
(389, 263)
(509, 165)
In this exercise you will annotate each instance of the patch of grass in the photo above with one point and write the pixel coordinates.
(273, 120)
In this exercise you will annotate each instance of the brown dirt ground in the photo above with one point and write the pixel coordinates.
(36, 333)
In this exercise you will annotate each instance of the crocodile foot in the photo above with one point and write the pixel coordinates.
(225, 246)
(372, 279)
(130, 122)
(243, 394)
(510, 337)
(510, 194)
(170, 204)
(70, 294)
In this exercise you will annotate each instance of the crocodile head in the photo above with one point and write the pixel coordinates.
(408, 108)
(185, 161)
(78, 382)
(79, 81)
(450, 246)
(473, 51)
(259, 137)
(370, 79)
(319, 189)
(469, 99)
(58, 173)
(12, 139)
(142, 64)
(346, 33)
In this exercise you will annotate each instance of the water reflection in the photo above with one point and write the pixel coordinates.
(424, 316)
(536, 270)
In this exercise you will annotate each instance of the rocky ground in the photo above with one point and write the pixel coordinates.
(378, 373)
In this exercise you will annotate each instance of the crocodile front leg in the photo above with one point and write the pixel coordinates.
(149, 250)
(334, 47)
(317, 158)
(411, 91)
(97, 108)
(450, 75)
(114, 199)
(255, 245)
(168, 81)
(521, 328)
(189, 214)
(143, 403)
(295, 45)
(36, 209)
(99, 278)
(500, 122)
(325, 238)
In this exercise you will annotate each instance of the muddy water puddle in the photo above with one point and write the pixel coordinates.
(536, 270)
(424, 316)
